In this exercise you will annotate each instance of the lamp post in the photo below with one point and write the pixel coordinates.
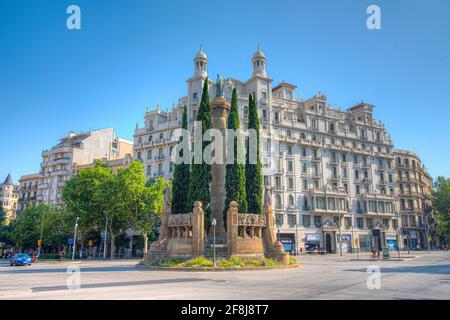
(74, 239)
(214, 222)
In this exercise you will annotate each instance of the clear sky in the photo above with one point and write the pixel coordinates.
(130, 55)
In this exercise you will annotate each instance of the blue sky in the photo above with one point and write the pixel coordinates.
(130, 55)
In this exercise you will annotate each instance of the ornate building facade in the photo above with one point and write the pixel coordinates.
(9, 197)
(414, 201)
(28, 190)
(332, 171)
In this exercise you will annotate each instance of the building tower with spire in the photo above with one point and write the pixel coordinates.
(259, 63)
(9, 197)
(201, 64)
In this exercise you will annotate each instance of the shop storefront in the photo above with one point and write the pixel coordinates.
(288, 241)
(391, 242)
(365, 242)
(346, 243)
(312, 242)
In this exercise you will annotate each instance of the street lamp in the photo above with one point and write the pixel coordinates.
(214, 222)
(75, 239)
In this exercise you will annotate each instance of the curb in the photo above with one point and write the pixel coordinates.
(218, 269)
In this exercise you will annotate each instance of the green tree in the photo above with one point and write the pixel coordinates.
(181, 180)
(140, 203)
(200, 177)
(235, 172)
(94, 195)
(2, 216)
(253, 177)
(25, 228)
(441, 205)
(6, 234)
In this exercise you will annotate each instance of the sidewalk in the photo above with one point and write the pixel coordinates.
(366, 255)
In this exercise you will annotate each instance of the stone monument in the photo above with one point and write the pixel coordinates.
(219, 110)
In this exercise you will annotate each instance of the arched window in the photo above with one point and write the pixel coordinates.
(291, 200)
(302, 135)
(278, 201)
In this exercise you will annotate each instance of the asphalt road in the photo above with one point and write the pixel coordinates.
(427, 276)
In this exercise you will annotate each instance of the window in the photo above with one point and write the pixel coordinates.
(348, 222)
(278, 183)
(264, 95)
(304, 168)
(291, 200)
(369, 223)
(360, 223)
(291, 220)
(303, 152)
(331, 204)
(149, 170)
(266, 180)
(306, 221)
(289, 149)
(386, 223)
(291, 183)
(395, 224)
(195, 96)
(305, 185)
(290, 166)
(279, 219)
(278, 203)
(264, 115)
(317, 221)
(320, 203)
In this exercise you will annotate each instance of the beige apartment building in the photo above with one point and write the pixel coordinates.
(331, 170)
(28, 190)
(9, 196)
(60, 162)
(414, 201)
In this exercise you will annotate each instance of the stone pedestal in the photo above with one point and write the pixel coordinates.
(219, 110)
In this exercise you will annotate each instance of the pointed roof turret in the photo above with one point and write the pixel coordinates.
(8, 180)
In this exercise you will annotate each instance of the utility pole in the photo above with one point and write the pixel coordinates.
(214, 222)
(74, 239)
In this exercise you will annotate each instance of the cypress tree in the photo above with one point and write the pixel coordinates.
(180, 183)
(200, 177)
(235, 173)
(253, 171)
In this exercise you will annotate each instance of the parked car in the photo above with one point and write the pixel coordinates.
(21, 259)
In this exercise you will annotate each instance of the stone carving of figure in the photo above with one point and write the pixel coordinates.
(167, 197)
(219, 86)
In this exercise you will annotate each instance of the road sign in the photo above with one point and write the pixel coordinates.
(70, 241)
(39, 243)
(91, 243)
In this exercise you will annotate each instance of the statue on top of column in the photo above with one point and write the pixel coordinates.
(219, 86)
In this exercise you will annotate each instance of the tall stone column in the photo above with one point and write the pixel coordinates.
(219, 110)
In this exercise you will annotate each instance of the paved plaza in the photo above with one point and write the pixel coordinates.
(421, 276)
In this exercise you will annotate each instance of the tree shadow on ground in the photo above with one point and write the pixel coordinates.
(432, 269)
(19, 269)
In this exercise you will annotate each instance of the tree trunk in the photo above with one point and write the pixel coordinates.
(145, 242)
(113, 245)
